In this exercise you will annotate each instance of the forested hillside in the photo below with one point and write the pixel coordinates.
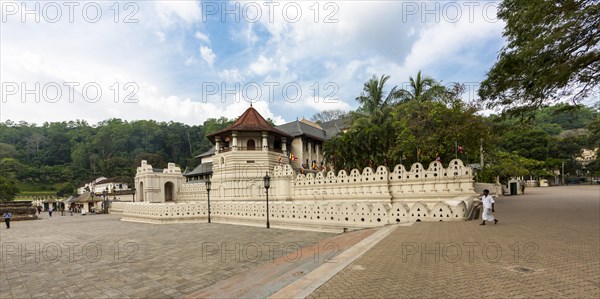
(62, 155)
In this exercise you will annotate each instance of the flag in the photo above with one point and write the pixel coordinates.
(461, 149)
(322, 167)
(279, 159)
(292, 157)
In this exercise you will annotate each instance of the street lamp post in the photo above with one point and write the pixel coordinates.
(106, 200)
(562, 174)
(208, 187)
(267, 182)
(133, 189)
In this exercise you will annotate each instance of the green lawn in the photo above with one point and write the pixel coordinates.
(30, 189)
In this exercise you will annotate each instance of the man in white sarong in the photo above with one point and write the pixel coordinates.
(488, 208)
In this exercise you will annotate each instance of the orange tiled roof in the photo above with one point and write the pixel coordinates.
(250, 120)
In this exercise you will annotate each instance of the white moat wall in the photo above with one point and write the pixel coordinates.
(324, 202)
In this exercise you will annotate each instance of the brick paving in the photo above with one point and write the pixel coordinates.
(546, 244)
(99, 256)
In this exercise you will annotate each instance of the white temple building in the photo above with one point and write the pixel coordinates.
(320, 200)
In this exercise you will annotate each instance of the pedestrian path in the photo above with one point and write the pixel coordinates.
(262, 281)
(545, 245)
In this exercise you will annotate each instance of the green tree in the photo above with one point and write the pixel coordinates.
(428, 130)
(374, 95)
(8, 151)
(532, 144)
(421, 89)
(594, 137)
(394, 134)
(8, 189)
(551, 54)
(156, 160)
(504, 165)
(327, 115)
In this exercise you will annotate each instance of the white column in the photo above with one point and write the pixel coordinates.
(283, 145)
(234, 146)
(318, 155)
(265, 141)
(310, 159)
(217, 144)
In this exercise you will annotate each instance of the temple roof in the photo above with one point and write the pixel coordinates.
(207, 153)
(204, 168)
(334, 127)
(323, 131)
(250, 120)
(299, 128)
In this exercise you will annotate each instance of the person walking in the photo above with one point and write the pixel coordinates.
(488, 208)
(7, 217)
(50, 211)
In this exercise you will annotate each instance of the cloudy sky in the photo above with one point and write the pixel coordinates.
(190, 60)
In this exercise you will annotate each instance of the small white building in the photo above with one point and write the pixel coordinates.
(101, 184)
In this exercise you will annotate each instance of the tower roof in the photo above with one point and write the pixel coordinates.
(250, 120)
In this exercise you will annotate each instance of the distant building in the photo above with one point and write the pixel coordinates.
(586, 156)
(101, 184)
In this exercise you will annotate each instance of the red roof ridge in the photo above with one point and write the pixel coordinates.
(250, 120)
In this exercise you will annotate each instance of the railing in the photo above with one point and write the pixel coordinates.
(240, 148)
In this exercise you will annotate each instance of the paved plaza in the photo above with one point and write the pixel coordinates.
(547, 244)
(99, 256)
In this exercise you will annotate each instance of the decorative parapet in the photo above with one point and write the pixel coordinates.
(323, 201)
(369, 185)
(283, 170)
(307, 215)
(145, 168)
(162, 212)
(172, 169)
(192, 192)
(433, 182)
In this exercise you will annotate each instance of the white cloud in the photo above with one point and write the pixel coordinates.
(201, 36)
(208, 55)
(369, 37)
(444, 41)
(250, 35)
(170, 12)
(190, 61)
(160, 36)
(263, 66)
(231, 75)
(320, 104)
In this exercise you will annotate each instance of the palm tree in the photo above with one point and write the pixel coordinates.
(423, 88)
(374, 97)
